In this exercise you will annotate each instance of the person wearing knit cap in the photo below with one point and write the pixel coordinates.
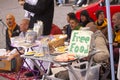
(85, 18)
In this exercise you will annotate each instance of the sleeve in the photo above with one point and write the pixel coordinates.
(8, 42)
(103, 55)
(39, 8)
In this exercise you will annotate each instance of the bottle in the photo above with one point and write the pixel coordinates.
(45, 47)
(38, 27)
(31, 36)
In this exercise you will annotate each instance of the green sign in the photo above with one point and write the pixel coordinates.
(80, 43)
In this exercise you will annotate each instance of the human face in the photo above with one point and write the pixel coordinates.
(68, 19)
(115, 21)
(101, 16)
(83, 18)
(23, 26)
(73, 24)
(10, 20)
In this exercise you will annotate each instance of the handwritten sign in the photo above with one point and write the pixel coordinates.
(80, 43)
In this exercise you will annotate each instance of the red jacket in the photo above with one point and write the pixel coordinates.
(55, 30)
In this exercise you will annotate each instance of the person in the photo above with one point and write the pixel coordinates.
(11, 31)
(27, 13)
(67, 28)
(24, 27)
(114, 2)
(101, 22)
(118, 71)
(43, 11)
(85, 18)
(74, 23)
(55, 30)
(60, 2)
(100, 42)
(57, 3)
(116, 26)
(16, 52)
(116, 35)
(81, 2)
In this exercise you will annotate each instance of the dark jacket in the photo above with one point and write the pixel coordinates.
(68, 31)
(15, 32)
(89, 19)
(43, 10)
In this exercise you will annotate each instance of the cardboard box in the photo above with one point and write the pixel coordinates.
(6, 65)
(19, 63)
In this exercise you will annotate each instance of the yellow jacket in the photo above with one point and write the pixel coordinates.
(117, 37)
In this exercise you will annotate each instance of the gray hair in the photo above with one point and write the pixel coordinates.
(117, 15)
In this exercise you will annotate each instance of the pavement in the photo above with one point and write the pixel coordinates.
(6, 7)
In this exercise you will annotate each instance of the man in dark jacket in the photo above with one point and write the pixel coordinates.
(43, 10)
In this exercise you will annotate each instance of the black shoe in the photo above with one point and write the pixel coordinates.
(50, 72)
(29, 74)
(57, 3)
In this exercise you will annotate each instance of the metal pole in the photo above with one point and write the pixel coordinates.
(110, 38)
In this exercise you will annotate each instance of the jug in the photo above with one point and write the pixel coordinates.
(31, 36)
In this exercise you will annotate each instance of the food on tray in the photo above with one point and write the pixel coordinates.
(61, 49)
(46, 39)
(71, 56)
(25, 44)
(38, 54)
(65, 57)
(30, 53)
(54, 40)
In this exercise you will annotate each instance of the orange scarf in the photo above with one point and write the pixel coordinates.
(10, 29)
(103, 25)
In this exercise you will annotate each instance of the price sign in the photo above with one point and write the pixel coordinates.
(80, 43)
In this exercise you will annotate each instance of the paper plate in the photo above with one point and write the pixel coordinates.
(30, 53)
(38, 55)
(69, 61)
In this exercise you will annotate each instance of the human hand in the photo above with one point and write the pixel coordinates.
(21, 2)
(115, 44)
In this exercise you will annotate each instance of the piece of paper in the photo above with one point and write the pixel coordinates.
(2, 52)
(80, 43)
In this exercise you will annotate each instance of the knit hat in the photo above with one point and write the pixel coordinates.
(84, 13)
